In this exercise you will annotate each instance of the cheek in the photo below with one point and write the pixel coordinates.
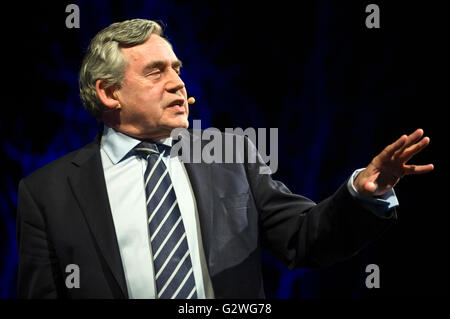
(144, 108)
(139, 91)
(145, 101)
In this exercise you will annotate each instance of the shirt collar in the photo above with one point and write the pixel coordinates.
(118, 145)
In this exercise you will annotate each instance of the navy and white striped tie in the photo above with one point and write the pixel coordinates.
(172, 262)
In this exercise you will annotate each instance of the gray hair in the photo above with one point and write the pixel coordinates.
(104, 60)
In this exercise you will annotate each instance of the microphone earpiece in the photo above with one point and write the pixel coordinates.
(191, 100)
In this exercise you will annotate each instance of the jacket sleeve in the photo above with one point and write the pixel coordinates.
(301, 233)
(38, 272)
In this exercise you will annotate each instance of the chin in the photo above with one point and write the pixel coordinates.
(181, 123)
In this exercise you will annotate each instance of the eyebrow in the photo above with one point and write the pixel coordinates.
(162, 65)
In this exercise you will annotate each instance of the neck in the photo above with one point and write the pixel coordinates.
(151, 136)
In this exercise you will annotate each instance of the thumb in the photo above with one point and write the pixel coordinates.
(370, 187)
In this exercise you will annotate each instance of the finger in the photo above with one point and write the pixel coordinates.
(413, 150)
(418, 169)
(392, 148)
(412, 138)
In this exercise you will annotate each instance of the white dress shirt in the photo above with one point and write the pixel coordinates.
(124, 175)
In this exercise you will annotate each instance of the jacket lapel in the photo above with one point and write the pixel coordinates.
(201, 181)
(199, 177)
(88, 184)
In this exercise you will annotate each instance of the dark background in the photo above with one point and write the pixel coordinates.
(337, 91)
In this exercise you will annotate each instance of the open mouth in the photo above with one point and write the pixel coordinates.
(177, 106)
(177, 103)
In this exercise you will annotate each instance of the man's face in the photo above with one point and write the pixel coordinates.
(153, 96)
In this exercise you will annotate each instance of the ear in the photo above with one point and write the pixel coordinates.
(106, 94)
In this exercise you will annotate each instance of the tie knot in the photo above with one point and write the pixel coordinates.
(147, 148)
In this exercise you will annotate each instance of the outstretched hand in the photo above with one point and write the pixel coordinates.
(388, 167)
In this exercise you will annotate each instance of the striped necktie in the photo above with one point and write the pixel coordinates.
(172, 262)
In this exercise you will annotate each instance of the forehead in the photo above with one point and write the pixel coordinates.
(154, 49)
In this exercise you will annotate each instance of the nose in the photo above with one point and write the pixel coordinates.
(174, 83)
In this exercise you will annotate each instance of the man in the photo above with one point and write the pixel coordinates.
(139, 224)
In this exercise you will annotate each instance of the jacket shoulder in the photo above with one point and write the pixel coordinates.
(58, 168)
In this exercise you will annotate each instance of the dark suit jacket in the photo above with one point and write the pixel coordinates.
(64, 217)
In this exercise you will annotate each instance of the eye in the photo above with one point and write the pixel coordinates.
(154, 73)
